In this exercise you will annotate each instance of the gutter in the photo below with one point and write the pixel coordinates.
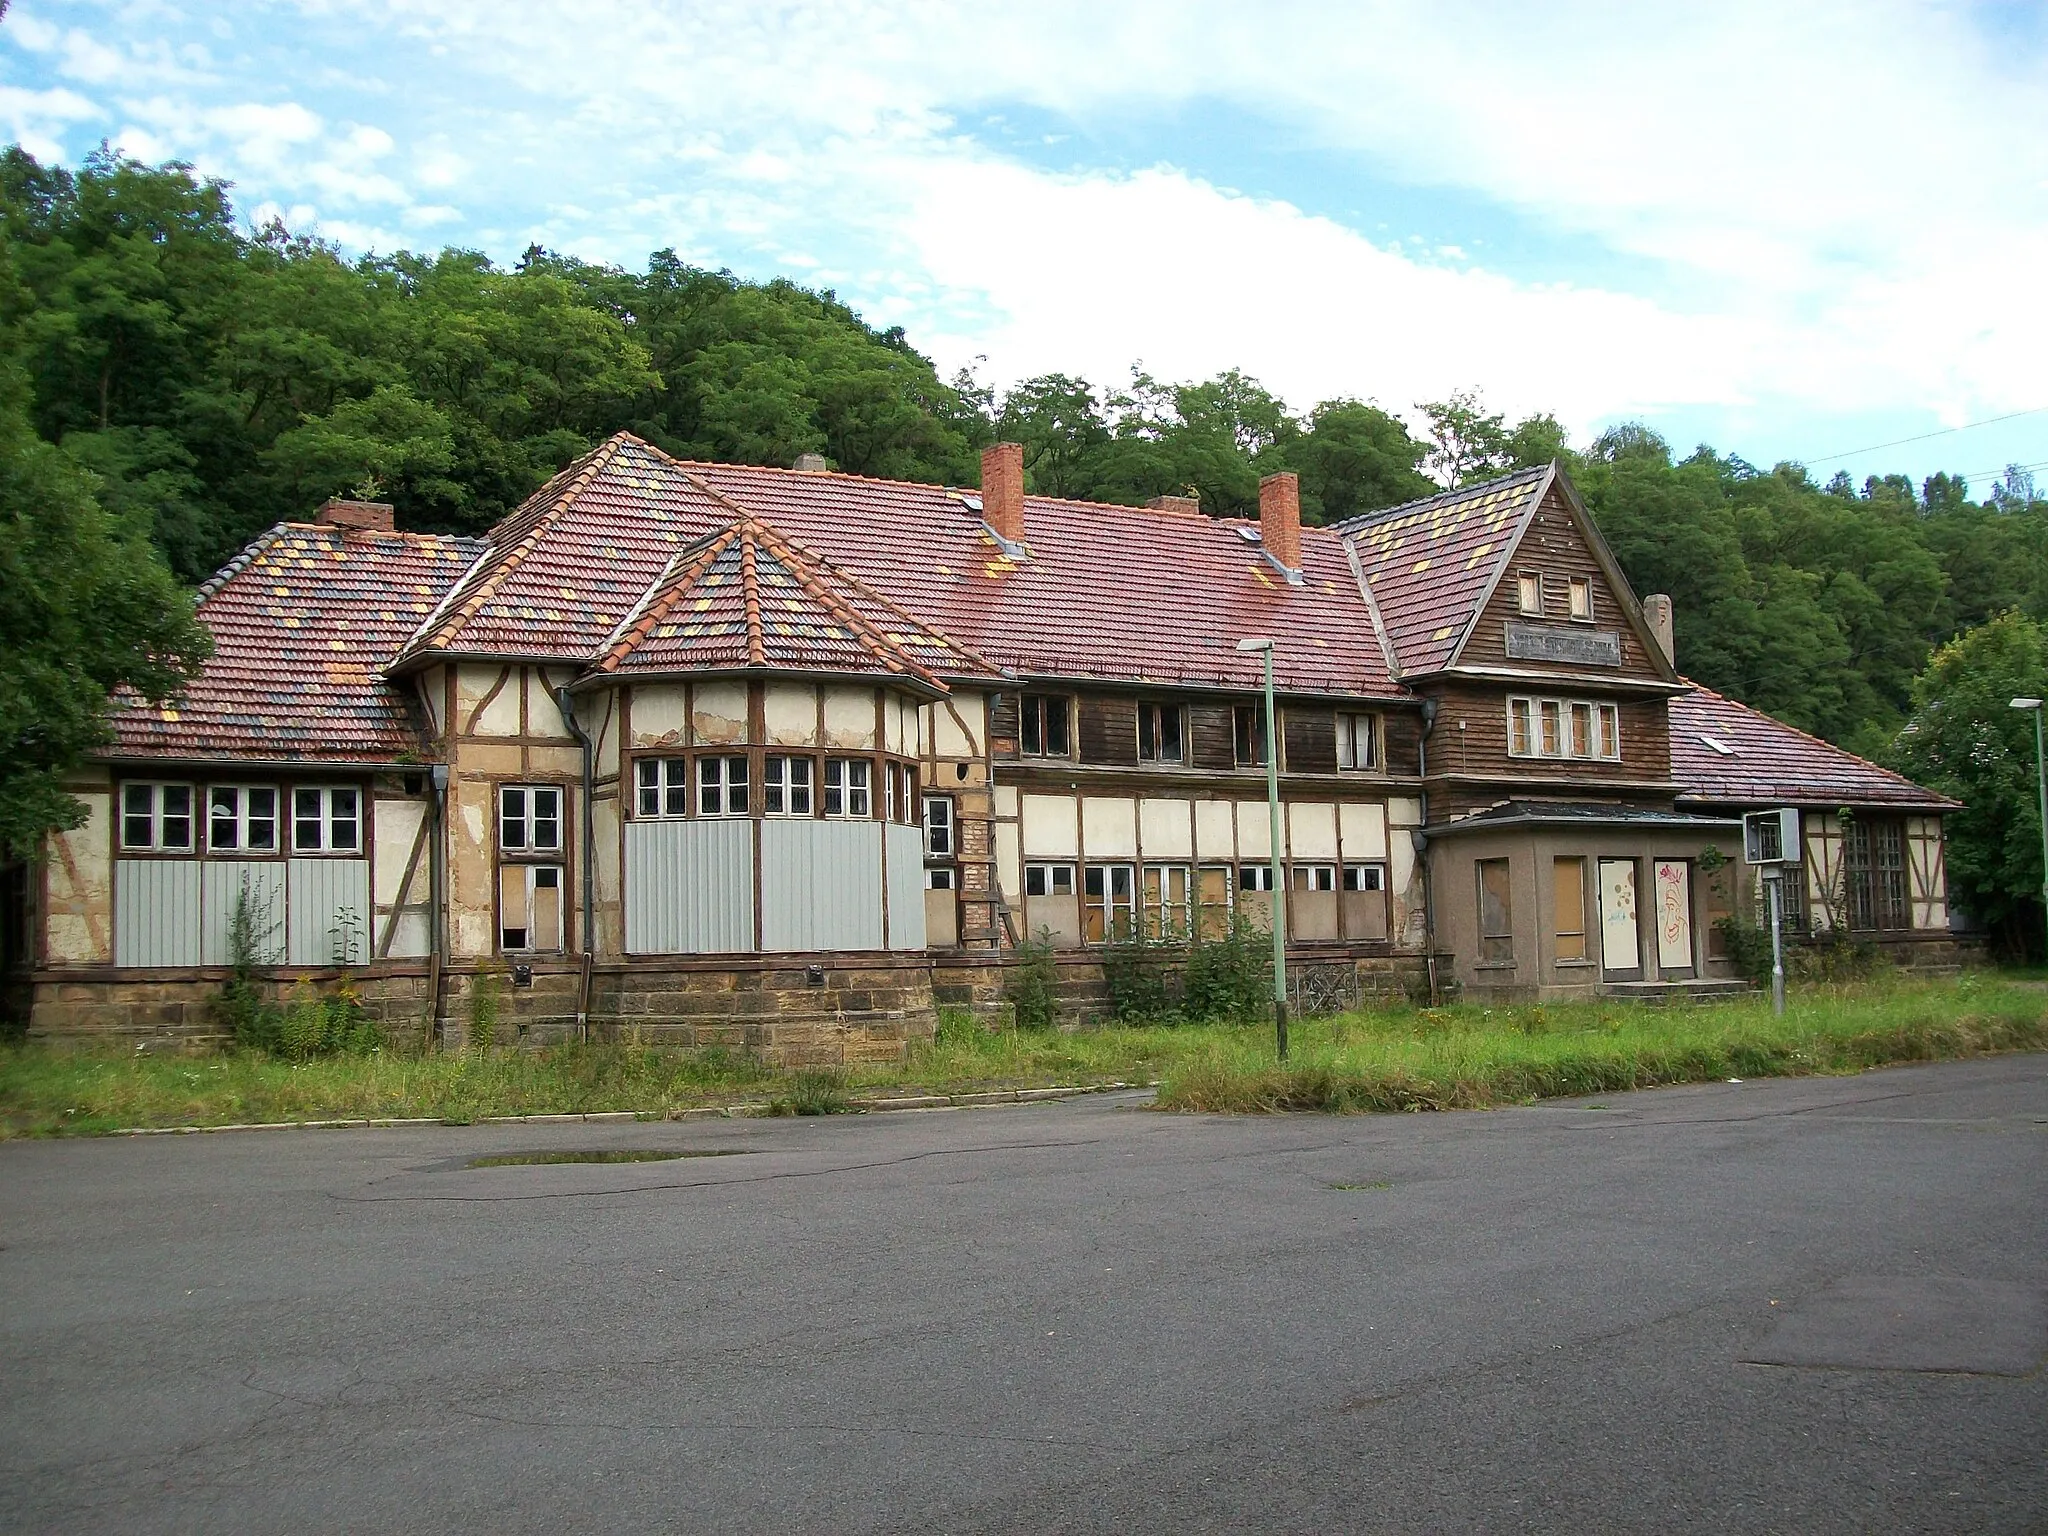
(566, 702)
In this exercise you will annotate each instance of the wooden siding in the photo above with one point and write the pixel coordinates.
(1108, 730)
(1211, 744)
(1482, 747)
(1554, 547)
(1309, 739)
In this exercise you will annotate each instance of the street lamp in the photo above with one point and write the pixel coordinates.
(1264, 645)
(2033, 706)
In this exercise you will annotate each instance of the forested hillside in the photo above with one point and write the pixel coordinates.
(216, 380)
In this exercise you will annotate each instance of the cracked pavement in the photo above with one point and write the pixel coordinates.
(1810, 1306)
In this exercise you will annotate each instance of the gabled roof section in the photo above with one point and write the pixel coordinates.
(304, 621)
(745, 598)
(1430, 564)
(1726, 753)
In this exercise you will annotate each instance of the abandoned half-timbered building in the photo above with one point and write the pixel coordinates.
(784, 758)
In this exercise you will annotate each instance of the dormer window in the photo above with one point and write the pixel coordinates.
(1530, 586)
(1581, 588)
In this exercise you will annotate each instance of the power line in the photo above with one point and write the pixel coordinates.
(1989, 421)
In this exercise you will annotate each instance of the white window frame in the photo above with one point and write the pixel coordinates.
(943, 877)
(940, 830)
(538, 874)
(234, 805)
(520, 805)
(722, 785)
(1048, 877)
(1367, 876)
(1312, 878)
(662, 788)
(328, 819)
(789, 785)
(155, 793)
(1157, 913)
(1529, 715)
(1354, 728)
(849, 788)
(1255, 877)
(1114, 888)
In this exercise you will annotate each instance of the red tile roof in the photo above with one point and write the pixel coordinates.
(1430, 563)
(1726, 753)
(304, 622)
(746, 598)
(1118, 593)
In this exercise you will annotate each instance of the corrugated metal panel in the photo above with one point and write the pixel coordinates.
(689, 887)
(821, 885)
(906, 887)
(221, 882)
(329, 908)
(156, 912)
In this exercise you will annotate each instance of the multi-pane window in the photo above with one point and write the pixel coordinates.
(1166, 900)
(1255, 877)
(1358, 742)
(241, 818)
(1496, 914)
(1874, 872)
(1581, 594)
(664, 786)
(1564, 728)
(1048, 879)
(1529, 592)
(1315, 877)
(157, 818)
(902, 793)
(327, 819)
(529, 818)
(938, 826)
(529, 906)
(1213, 885)
(1365, 877)
(1159, 733)
(1042, 726)
(1108, 902)
(1568, 901)
(722, 785)
(786, 785)
(1248, 728)
(848, 791)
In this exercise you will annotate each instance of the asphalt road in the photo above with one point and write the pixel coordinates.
(1792, 1306)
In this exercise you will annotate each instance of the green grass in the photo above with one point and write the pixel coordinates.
(1395, 1058)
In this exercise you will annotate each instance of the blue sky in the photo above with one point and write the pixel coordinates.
(1788, 231)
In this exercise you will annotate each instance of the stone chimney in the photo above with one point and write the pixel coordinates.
(1657, 609)
(810, 464)
(1188, 504)
(371, 516)
(1280, 518)
(1002, 490)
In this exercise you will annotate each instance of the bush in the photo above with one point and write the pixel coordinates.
(241, 1009)
(1749, 946)
(1138, 973)
(1229, 980)
(1031, 986)
(1834, 956)
(816, 1092)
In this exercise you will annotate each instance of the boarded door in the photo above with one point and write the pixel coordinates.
(1621, 955)
(1674, 917)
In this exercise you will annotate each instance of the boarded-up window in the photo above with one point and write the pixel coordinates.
(1581, 589)
(1568, 878)
(1166, 901)
(530, 906)
(1529, 592)
(1108, 902)
(1212, 901)
(1496, 914)
(1308, 740)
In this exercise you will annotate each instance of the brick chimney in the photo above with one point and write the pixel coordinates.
(1280, 518)
(1002, 490)
(1657, 609)
(371, 516)
(1188, 504)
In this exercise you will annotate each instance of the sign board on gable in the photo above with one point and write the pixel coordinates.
(1554, 642)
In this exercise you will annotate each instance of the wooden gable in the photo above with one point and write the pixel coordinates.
(1558, 546)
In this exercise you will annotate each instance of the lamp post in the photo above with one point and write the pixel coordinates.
(2033, 707)
(1265, 646)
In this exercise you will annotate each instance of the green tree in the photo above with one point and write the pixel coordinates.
(86, 607)
(1966, 740)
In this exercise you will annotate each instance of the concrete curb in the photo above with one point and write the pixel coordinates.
(754, 1110)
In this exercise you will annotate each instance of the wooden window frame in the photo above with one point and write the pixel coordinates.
(1577, 587)
(1350, 722)
(1360, 870)
(942, 877)
(1155, 713)
(722, 784)
(1035, 717)
(1559, 933)
(531, 872)
(671, 789)
(527, 850)
(941, 827)
(1248, 744)
(325, 847)
(1536, 719)
(780, 781)
(856, 777)
(1496, 945)
(1524, 580)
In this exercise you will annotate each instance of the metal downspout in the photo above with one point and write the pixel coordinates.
(565, 702)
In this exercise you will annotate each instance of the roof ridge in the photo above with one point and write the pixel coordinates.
(1450, 493)
(654, 604)
(462, 612)
(236, 564)
(805, 567)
